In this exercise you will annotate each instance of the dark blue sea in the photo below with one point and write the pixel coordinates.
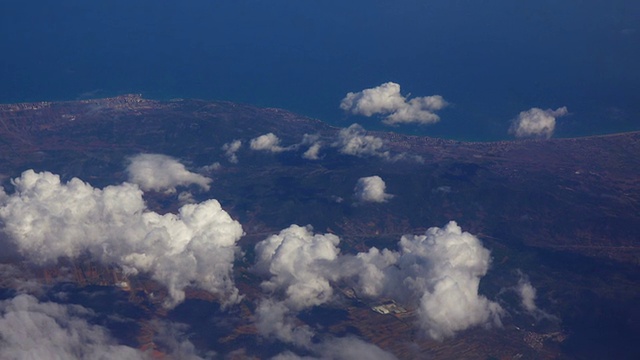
(489, 59)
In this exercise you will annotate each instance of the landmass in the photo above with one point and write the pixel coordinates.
(564, 211)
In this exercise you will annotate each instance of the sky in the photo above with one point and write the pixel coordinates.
(490, 60)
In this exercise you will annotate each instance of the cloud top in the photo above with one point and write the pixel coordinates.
(536, 122)
(295, 262)
(159, 172)
(371, 189)
(267, 142)
(437, 273)
(355, 141)
(454, 262)
(387, 100)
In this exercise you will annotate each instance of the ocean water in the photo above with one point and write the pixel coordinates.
(489, 59)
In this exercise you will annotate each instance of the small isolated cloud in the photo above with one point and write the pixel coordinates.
(355, 141)
(371, 189)
(536, 122)
(527, 294)
(312, 152)
(230, 149)
(211, 167)
(30, 329)
(162, 173)
(387, 100)
(47, 219)
(267, 142)
(314, 145)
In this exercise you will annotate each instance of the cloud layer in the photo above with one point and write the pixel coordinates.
(344, 348)
(48, 219)
(30, 329)
(536, 122)
(162, 173)
(387, 100)
(371, 189)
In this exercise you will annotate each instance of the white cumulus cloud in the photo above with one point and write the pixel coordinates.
(267, 142)
(30, 329)
(371, 189)
(437, 273)
(295, 262)
(48, 219)
(445, 265)
(355, 141)
(536, 122)
(387, 100)
(162, 173)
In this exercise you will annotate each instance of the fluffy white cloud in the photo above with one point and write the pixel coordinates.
(162, 173)
(369, 271)
(536, 122)
(418, 110)
(47, 219)
(267, 142)
(355, 141)
(298, 266)
(30, 329)
(387, 100)
(384, 99)
(444, 268)
(230, 149)
(438, 273)
(371, 189)
(295, 261)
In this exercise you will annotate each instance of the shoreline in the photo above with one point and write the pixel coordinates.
(141, 98)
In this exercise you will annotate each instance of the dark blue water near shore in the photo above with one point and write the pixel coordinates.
(489, 59)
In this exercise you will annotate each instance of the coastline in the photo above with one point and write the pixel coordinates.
(141, 98)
